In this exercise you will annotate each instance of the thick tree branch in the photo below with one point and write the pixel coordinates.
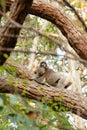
(74, 102)
(18, 13)
(19, 70)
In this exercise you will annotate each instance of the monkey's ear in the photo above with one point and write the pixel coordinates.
(43, 64)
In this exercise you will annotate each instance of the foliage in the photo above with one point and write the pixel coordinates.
(14, 114)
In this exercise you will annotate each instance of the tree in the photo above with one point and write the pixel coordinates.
(76, 39)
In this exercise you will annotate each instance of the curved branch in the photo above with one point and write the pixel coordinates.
(75, 102)
(75, 37)
(77, 15)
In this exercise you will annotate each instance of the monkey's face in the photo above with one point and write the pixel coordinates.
(39, 72)
(43, 64)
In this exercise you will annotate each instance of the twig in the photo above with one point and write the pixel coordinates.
(78, 16)
(17, 36)
(42, 53)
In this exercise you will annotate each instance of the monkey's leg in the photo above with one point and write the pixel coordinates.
(61, 84)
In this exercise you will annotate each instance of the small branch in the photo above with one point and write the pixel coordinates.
(16, 36)
(42, 53)
(75, 57)
(78, 16)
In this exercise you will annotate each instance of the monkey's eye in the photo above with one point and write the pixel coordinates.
(35, 72)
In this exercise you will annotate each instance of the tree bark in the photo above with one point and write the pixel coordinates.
(74, 102)
(18, 12)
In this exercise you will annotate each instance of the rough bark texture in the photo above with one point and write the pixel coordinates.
(20, 70)
(73, 101)
(75, 37)
(18, 13)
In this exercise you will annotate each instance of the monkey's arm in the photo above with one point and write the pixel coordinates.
(39, 81)
(42, 81)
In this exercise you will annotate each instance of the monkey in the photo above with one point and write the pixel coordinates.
(44, 74)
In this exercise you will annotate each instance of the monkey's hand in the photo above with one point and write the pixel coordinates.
(48, 85)
(42, 83)
(41, 80)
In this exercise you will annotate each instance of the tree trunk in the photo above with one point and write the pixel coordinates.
(18, 13)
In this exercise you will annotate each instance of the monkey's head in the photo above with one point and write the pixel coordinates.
(41, 69)
(43, 64)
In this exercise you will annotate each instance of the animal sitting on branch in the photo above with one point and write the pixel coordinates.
(44, 74)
